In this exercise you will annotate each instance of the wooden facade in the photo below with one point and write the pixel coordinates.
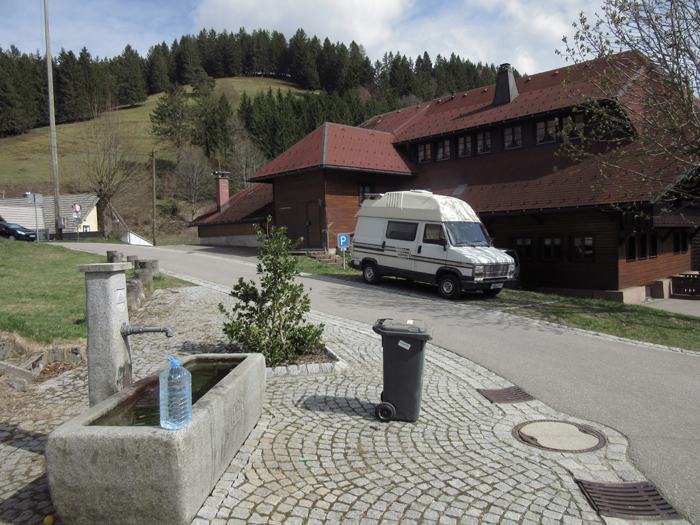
(299, 205)
(548, 247)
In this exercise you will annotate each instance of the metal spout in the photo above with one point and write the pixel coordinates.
(128, 330)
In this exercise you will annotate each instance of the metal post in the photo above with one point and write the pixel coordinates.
(153, 169)
(52, 129)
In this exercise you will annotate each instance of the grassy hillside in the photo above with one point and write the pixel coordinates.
(25, 161)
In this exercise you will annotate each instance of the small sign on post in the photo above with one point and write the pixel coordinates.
(343, 243)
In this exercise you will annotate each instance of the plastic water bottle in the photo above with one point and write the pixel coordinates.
(175, 396)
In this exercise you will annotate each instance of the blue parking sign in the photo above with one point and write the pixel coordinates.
(343, 240)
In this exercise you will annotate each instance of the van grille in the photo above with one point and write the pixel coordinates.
(492, 271)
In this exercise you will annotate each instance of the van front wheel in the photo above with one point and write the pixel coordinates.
(370, 273)
(449, 286)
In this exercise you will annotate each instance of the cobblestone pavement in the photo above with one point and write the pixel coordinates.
(319, 456)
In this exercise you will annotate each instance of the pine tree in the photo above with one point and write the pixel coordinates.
(129, 72)
(172, 117)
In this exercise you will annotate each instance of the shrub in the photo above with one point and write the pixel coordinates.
(269, 319)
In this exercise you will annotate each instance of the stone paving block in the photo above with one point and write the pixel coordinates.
(457, 464)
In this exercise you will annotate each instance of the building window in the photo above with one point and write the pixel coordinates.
(680, 242)
(653, 245)
(632, 248)
(523, 247)
(464, 146)
(512, 138)
(86, 228)
(483, 143)
(642, 247)
(425, 152)
(573, 127)
(582, 248)
(402, 231)
(364, 190)
(433, 234)
(551, 248)
(546, 131)
(443, 150)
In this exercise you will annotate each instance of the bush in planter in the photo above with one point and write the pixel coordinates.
(270, 318)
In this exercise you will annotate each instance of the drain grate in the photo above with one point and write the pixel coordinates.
(627, 500)
(513, 394)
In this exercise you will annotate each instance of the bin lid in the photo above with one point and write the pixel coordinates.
(406, 327)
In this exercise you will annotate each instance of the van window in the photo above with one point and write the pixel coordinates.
(467, 234)
(433, 233)
(401, 231)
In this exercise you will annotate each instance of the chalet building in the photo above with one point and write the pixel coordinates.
(498, 149)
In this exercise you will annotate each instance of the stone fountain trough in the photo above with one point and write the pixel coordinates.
(144, 474)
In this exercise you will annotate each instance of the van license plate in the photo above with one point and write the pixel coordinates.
(497, 285)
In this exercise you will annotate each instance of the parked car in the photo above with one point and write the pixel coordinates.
(16, 232)
(428, 238)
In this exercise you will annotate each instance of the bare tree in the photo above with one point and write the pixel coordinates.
(244, 157)
(110, 162)
(193, 177)
(642, 119)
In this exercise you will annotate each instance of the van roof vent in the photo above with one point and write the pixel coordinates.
(394, 199)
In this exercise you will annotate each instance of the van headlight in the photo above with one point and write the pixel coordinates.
(479, 272)
(511, 270)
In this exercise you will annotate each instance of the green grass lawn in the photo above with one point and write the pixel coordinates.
(43, 294)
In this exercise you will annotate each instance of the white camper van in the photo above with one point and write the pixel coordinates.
(429, 238)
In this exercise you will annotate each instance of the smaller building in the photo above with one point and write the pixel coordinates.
(232, 221)
(21, 211)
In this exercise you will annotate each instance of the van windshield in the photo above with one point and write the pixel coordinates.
(467, 234)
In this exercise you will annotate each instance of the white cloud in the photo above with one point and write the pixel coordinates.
(367, 22)
(522, 32)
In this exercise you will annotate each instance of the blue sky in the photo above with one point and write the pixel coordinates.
(524, 33)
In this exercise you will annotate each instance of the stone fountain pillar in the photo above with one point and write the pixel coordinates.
(109, 362)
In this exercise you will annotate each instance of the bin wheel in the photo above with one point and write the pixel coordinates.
(449, 286)
(385, 412)
(370, 273)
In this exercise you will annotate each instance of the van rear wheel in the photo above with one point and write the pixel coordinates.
(449, 286)
(370, 273)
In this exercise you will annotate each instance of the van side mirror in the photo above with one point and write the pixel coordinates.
(443, 243)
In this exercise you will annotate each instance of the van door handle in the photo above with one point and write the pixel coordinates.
(420, 246)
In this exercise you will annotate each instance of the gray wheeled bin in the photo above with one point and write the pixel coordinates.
(403, 344)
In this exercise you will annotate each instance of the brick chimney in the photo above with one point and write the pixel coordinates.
(221, 190)
(506, 88)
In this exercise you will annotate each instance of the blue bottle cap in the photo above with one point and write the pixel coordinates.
(173, 361)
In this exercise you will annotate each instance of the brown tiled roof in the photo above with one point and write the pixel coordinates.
(336, 146)
(250, 204)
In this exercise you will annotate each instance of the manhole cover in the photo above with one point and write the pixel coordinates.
(627, 500)
(511, 394)
(559, 436)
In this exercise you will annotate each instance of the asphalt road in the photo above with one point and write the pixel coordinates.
(652, 396)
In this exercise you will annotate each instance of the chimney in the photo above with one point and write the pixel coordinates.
(506, 88)
(221, 190)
